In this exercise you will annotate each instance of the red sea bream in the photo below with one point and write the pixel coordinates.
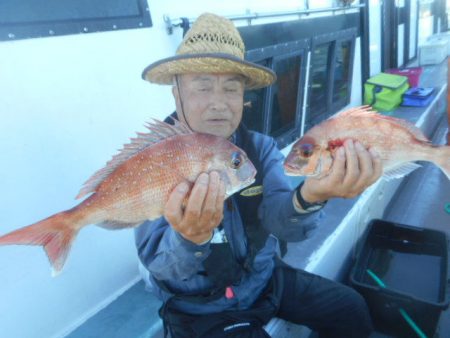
(398, 142)
(134, 186)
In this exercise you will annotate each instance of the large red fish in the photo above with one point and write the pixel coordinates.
(134, 186)
(397, 141)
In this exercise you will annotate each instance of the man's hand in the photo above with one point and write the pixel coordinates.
(204, 207)
(354, 169)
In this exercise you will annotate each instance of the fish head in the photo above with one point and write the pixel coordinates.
(234, 167)
(308, 158)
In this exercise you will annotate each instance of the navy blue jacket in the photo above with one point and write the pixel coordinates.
(176, 261)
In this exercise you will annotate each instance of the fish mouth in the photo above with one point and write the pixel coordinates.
(250, 181)
(295, 170)
(292, 169)
(247, 182)
(239, 188)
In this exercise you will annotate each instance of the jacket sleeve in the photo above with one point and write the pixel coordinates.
(277, 211)
(165, 253)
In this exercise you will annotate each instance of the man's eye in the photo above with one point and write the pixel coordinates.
(233, 90)
(203, 89)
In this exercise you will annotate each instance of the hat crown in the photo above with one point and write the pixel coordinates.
(211, 33)
(212, 46)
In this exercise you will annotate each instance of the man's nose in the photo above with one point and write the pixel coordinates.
(218, 99)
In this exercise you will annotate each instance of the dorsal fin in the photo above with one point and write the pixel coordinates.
(356, 111)
(159, 131)
(366, 111)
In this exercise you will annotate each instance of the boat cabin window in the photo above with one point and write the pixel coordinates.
(276, 110)
(285, 96)
(314, 75)
(332, 58)
(29, 18)
(253, 116)
(320, 63)
(342, 70)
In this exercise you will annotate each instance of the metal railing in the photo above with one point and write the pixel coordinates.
(186, 22)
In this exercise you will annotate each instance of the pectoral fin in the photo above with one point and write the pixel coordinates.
(400, 170)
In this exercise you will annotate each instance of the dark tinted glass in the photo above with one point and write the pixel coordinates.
(319, 82)
(22, 19)
(253, 115)
(14, 11)
(341, 72)
(284, 91)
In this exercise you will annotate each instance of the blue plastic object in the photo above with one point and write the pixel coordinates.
(418, 97)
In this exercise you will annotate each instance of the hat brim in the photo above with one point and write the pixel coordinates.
(163, 71)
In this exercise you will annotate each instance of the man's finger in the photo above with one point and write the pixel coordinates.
(377, 165)
(338, 168)
(220, 202)
(209, 207)
(222, 194)
(365, 163)
(173, 210)
(196, 199)
(352, 165)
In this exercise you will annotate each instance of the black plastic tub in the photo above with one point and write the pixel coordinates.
(411, 264)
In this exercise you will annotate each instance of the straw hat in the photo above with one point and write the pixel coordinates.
(212, 45)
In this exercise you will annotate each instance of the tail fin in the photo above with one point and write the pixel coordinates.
(55, 234)
(443, 160)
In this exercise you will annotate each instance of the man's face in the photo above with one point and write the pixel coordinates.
(212, 103)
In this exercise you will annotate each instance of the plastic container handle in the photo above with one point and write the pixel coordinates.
(404, 314)
(447, 208)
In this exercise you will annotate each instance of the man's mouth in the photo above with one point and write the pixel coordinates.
(217, 121)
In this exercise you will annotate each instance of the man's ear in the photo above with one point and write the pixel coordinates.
(176, 96)
(175, 93)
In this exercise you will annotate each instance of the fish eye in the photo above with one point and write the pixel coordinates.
(236, 160)
(306, 150)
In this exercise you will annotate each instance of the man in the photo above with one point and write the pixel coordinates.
(213, 262)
